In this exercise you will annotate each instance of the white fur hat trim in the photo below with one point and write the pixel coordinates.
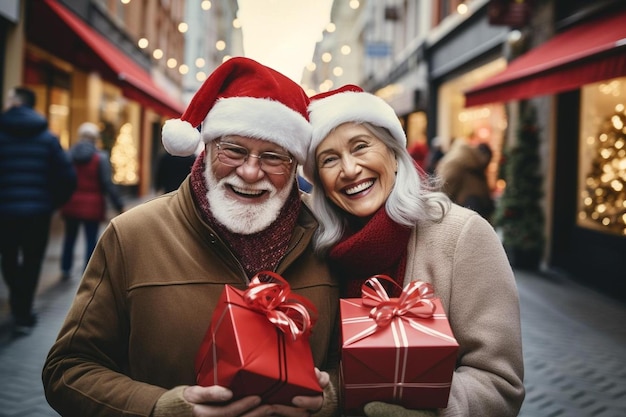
(180, 138)
(258, 118)
(329, 112)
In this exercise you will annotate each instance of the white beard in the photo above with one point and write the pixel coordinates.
(238, 217)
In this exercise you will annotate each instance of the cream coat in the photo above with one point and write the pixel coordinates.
(464, 260)
(145, 302)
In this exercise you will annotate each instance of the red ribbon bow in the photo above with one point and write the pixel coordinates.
(288, 311)
(414, 300)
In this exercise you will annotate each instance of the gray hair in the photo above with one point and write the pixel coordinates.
(411, 199)
(88, 131)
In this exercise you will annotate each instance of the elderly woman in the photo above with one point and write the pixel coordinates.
(377, 216)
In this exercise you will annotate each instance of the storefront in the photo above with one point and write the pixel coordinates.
(584, 67)
(458, 61)
(79, 76)
(481, 124)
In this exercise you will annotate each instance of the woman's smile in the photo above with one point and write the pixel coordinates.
(358, 188)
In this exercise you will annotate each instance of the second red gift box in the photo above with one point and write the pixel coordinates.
(398, 350)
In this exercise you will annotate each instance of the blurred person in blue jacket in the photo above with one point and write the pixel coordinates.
(88, 204)
(36, 178)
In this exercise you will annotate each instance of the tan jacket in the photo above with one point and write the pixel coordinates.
(464, 260)
(145, 302)
(465, 180)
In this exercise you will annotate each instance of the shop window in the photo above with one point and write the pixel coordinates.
(602, 157)
(59, 114)
(120, 136)
(52, 87)
(478, 124)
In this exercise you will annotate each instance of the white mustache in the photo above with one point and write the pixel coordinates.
(243, 187)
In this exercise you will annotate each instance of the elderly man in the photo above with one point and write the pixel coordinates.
(147, 296)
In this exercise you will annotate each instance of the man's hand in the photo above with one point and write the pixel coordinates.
(211, 402)
(304, 406)
(207, 402)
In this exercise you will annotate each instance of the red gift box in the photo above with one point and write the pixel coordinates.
(258, 343)
(399, 351)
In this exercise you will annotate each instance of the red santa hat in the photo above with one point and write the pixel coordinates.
(348, 104)
(243, 97)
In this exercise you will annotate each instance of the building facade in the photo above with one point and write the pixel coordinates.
(569, 63)
(465, 70)
(103, 61)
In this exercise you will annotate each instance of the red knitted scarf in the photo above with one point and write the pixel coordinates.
(379, 247)
(258, 251)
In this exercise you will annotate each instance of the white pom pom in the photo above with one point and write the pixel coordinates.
(180, 138)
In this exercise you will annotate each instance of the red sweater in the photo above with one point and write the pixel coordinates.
(88, 201)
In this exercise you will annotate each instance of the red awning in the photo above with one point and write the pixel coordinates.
(56, 29)
(590, 52)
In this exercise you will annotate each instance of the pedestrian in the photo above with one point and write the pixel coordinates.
(147, 296)
(419, 152)
(435, 153)
(378, 216)
(88, 205)
(36, 177)
(172, 171)
(464, 176)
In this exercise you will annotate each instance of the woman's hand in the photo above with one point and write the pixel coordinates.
(381, 409)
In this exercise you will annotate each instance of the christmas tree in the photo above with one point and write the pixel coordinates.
(604, 197)
(518, 213)
(124, 158)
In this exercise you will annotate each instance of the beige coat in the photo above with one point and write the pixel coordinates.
(145, 302)
(464, 260)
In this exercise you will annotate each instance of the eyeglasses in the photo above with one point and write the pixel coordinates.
(235, 156)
